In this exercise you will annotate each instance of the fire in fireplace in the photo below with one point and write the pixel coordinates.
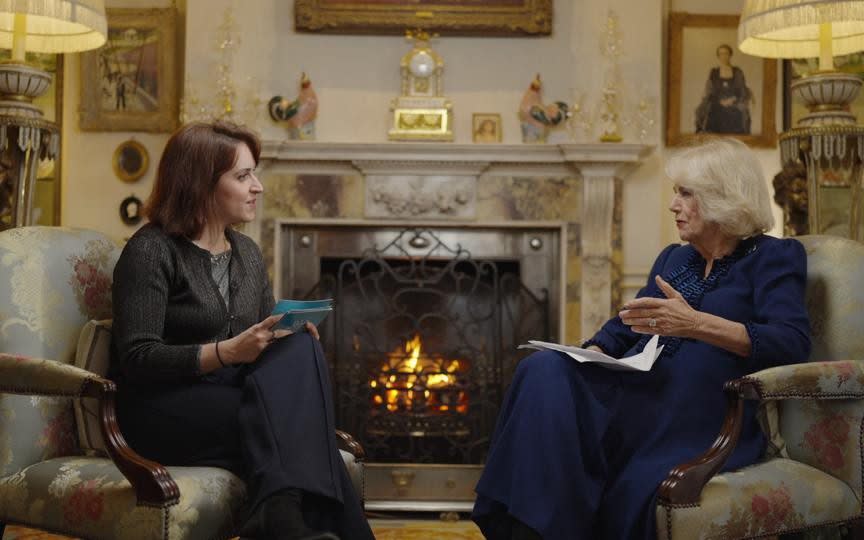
(411, 381)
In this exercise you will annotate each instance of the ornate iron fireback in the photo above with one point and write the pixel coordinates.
(423, 343)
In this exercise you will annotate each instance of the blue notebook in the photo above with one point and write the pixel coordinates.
(297, 312)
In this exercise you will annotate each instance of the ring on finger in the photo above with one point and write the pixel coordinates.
(652, 323)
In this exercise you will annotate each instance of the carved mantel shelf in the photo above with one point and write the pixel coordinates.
(385, 165)
(459, 159)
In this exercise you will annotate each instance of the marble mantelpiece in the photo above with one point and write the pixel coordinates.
(578, 184)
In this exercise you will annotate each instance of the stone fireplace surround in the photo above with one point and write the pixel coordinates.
(576, 186)
(574, 189)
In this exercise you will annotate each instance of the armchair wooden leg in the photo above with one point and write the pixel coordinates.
(2, 527)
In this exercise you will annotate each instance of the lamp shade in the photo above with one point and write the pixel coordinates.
(55, 26)
(791, 28)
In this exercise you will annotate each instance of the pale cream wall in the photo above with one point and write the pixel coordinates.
(357, 76)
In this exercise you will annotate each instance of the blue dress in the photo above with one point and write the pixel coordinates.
(579, 451)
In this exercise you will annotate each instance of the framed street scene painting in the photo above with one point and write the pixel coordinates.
(448, 17)
(713, 87)
(130, 83)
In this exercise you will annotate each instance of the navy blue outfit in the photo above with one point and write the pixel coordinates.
(579, 451)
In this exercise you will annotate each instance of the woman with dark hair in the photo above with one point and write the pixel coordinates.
(725, 107)
(203, 378)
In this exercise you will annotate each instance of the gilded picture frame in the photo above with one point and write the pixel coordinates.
(478, 17)
(130, 161)
(130, 83)
(486, 128)
(741, 105)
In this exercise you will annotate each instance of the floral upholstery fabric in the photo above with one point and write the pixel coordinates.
(52, 281)
(812, 414)
(835, 297)
(826, 435)
(760, 500)
(21, 374)
(820, 380)
(89, 498)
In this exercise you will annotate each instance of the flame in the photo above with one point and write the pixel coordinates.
(410, 381)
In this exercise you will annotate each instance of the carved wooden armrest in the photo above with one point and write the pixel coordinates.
(151, 481)
(684, 484)
(350, 445)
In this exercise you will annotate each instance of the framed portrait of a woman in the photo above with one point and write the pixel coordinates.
(715, 89)
(486, 128)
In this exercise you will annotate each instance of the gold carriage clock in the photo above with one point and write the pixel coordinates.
(421, 112)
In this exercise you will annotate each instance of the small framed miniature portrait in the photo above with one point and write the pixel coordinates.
(130, 161)
(131, 210)
(486, 128)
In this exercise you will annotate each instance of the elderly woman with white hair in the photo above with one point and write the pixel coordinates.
(579, 451)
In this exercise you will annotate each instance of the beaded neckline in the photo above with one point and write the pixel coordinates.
(220, 257)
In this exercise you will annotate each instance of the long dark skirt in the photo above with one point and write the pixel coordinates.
(579, 451)
(270, 422)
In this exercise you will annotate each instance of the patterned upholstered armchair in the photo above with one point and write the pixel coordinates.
(813, 414)
(52, 282)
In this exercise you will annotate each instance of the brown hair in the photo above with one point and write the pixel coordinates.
(194, 158)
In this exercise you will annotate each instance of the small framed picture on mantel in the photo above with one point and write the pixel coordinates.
(486, 128)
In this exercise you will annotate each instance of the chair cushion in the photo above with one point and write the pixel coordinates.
(771, 497)
(93, 354)
(88, 497)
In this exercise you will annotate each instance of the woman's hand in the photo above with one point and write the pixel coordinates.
(245, 347)
(671, 316)
(312, 329)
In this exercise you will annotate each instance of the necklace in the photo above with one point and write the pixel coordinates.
(220, 257)
(220, 266)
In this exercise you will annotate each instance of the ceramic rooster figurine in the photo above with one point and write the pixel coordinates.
(298, 114)
(537, 118)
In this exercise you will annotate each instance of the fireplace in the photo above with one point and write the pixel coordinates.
(422, 341)
(539, 229)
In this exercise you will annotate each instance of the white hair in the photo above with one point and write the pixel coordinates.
(727, 181)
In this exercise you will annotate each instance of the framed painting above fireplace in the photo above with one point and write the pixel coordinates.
(448, 17)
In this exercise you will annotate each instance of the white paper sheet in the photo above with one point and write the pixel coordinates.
(638, 362)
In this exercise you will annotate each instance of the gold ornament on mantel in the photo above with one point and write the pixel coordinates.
(610, 106)
(220, 102)
(421, 112)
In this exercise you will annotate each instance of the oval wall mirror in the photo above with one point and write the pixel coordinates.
(130, 161)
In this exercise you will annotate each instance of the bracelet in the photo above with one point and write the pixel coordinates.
(218, 356)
